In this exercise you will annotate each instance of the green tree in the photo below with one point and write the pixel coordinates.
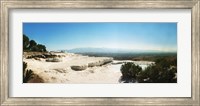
(32, 43)
(163, 71)
(153, 73)
(143, 76)
(130, 72)
(25, 42)
(35, 49)
(41, 48)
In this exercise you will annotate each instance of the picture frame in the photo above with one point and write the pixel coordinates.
(7, 5)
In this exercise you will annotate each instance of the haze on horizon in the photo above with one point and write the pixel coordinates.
(120, 35)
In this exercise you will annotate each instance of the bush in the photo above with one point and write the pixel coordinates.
(34, 49)
(130, 72)
(25, 42)
(163, 71)
(32, 45)
(27, 74)
(41, 48)
(153, 73)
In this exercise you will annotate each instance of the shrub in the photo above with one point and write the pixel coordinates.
(153, 73)
(25, 42)
(27, 74)
(41, 48)
(34, 49)
(32, 45)
(130, 72)
(163, 71)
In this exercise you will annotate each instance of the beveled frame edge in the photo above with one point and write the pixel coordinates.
(6, 5)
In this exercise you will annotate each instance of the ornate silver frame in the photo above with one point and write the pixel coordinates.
(6, 5)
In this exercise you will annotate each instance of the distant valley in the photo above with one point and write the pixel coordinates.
(112, 50)
(122, 54)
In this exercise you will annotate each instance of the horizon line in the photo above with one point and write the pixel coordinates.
(133, 50)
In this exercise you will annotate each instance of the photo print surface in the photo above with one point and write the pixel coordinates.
(100, 52)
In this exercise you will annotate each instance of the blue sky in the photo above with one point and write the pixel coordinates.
(130, 35)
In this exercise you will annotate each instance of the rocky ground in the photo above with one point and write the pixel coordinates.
(70, 68)
(57, 67)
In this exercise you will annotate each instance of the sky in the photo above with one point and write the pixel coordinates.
(120, 35)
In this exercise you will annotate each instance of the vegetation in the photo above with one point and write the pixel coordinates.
(32, 45)
(27, 74)
(130, 72)
(133, 56)
(25, 42)
(163, 71)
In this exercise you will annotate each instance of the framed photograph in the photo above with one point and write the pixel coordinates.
(100, 52)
